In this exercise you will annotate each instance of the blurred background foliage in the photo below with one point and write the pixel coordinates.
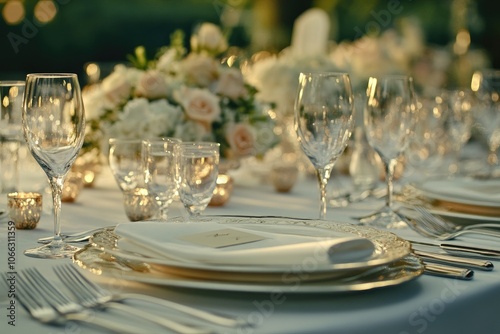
(105, 31)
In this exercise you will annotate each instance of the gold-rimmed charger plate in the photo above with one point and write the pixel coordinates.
(388, 248)
(101, 263)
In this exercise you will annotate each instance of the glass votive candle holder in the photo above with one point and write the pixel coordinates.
(223, 190)
(25, 209)
(284, 177)
(139, 204)
(72, 186)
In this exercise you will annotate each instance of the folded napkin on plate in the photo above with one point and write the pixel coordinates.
(162, 240)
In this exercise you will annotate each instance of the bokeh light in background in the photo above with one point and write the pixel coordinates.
(57, 35)
(45, 11)
(13, 12)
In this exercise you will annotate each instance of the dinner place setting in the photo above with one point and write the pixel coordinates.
(332, 186)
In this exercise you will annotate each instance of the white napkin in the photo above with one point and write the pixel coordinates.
(473, 191)
(161, 240)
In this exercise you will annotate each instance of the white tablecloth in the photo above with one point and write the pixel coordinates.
(426, 305)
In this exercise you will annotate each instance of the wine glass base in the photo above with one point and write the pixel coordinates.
(385, 218)
(52, 252)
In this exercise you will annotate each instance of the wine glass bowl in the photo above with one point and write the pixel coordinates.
(486, 86)
(125, 162)
(160, 158)
(388, 119)
(198, 171)
(323, 122)
(54, 127)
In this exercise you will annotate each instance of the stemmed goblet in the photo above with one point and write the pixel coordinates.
(198, 171)
(161, 172)
(388, 118)
(54, 127)
(486, 112)
(324, 122)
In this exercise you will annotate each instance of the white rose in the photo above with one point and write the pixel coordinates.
(199, 69)
(200, 105)
(93, 100)
(116, 87)
(241, 139)
(167, 115)
(167, 61)
(192, 131)
(231, 84)
(209, 37)
(152, 85)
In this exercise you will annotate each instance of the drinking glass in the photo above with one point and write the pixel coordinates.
(54, 127)
(198, 171)
(323, 122)
(458, 124)
(11, 134)
(125, 162)
(486, 86)
(388, 120)
(160, 158)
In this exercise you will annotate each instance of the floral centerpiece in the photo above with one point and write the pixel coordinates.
(188, 95)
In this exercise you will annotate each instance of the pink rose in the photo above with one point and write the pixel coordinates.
(231, 84)
(151, 85)
(200, 105)
(241, 139)
(200, 70)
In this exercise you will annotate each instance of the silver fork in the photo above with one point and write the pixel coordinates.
(422, 226)
(447, 227)
(34, 296)
(92, 294)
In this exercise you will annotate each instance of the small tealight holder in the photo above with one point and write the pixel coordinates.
(284, 177)
(139, 204)
(223, 190)
(72, 186)
(25, 209)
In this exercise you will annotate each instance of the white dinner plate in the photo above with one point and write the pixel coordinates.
(388, 248)
(101, 263)
(484, 193)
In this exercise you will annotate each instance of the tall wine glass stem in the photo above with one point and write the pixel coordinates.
(322, 175)
(56, 183)
(390, 166)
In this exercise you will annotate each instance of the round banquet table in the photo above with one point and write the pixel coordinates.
(428, 304)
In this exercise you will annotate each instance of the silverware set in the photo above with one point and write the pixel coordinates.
(89, 302)
(456, 256)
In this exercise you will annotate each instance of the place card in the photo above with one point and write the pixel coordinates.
(222, 238)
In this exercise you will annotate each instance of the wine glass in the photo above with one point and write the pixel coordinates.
(54, 127)
(198, 171)
(324, 122)
(160, 158)
(486, 85)
(125, 162)
(11, 105)
(388, 118)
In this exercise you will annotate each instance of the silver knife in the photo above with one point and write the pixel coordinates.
(455, 260)
(442, 270)
(459, 249)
